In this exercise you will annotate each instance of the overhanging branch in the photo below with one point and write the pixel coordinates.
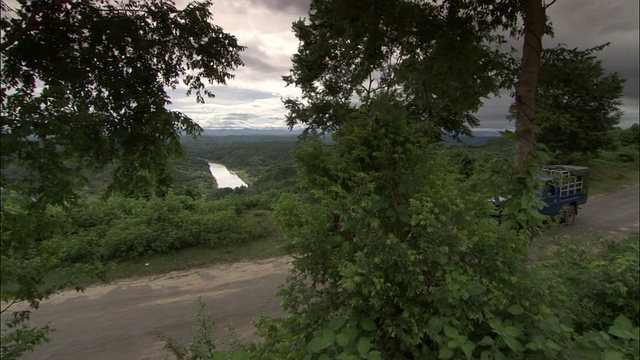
(30, 24)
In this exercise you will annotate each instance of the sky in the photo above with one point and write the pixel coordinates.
(253, 98)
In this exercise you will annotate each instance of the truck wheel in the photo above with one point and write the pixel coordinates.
(569, 214)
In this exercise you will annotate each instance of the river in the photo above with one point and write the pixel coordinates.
(224, 177)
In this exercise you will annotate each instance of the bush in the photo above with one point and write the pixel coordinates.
(630, 136)
(602, 276)
(118, 228)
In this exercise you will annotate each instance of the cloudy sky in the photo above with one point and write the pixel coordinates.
(253, 98)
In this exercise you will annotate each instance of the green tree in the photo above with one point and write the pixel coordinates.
(351, 51)
(385, 236)
(395, 256)
(630, 136)
(578, 103)
(84, 85)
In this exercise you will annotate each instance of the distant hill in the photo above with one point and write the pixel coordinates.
(480, 136)
(250, 132)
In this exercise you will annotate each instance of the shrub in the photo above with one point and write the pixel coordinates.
(118, 228)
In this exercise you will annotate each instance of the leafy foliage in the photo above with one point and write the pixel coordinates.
(18, 338)
(83, 87)
(387, 240)
(352, 51)
(103, 69)
(202, 345)
(630, 136)
(120, 228)
(577, 104)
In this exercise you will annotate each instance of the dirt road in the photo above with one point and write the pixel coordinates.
(113, 321)
(614, 214)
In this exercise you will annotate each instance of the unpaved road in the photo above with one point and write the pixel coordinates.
(614, 214)
(113, 321)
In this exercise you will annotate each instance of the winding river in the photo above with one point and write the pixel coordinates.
(224, 177)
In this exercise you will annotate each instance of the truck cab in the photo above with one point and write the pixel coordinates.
(565, 188)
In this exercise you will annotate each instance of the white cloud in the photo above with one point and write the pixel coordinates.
(234, 114)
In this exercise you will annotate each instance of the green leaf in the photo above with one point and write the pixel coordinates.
(367, 324)
(219, 355)
(623, 328)
(351, 332)
(495, 323)
(336, 323)
(435, 325)
(445, 353)
(328, 336)
(347, 356)
(513, 343)
(374, 355)
(467, 348)
(512, 331)
(319, 343)
(451, 332)
(364, 345)
(475, 288)
(343, 339)
(515, 309)
(442, 259)
(486, 341)
(239, 355)
(612, 355)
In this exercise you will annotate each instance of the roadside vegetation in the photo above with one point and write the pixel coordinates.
(191, 228)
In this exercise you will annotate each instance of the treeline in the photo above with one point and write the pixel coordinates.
(623, 154)
(196, 214)
(267, 161)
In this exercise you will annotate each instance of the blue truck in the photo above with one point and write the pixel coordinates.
(565, 188)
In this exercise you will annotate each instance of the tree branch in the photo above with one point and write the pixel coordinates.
(8, 306)
(549, 4)
(29, 25)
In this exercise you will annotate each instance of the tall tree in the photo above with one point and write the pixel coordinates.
(347, 48)
(534, 23)
(578, 103)
(84, 85)
(436, 60)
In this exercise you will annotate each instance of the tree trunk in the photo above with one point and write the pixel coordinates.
(534, 21)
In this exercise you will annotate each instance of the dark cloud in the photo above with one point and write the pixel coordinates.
(493, 115)
(259, 61)
(588, 23)
(297, 7)
(238, 116)
(603, 18)
(229, 93)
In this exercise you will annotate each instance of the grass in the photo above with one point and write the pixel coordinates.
(609, 173)
(195, 257)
